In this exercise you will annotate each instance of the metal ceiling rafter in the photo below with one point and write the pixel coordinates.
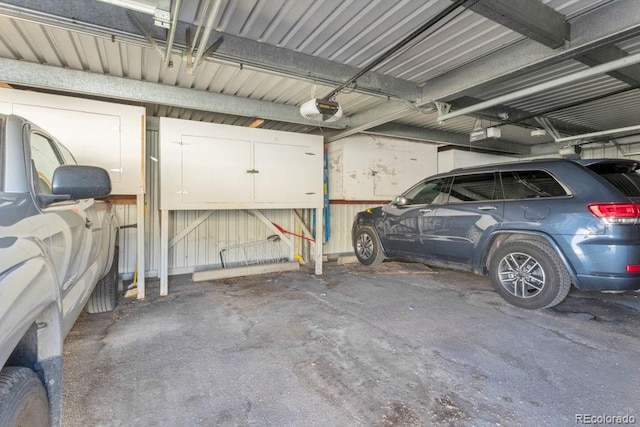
(448, 138)
(544, 86)
(531, 18)
(81, 82)
(601, 55)
(506, 115)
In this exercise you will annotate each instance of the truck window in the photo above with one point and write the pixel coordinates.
(44, 160)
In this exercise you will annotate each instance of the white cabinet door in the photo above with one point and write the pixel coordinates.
(287, 173)
(221, 169)
(93, 138)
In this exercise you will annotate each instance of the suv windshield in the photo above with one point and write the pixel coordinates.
(622, 175)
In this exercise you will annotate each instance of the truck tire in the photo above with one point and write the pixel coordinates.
(23, 399)
(529, 274)
(105, 295)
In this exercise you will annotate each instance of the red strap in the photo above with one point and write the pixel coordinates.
(283, 231)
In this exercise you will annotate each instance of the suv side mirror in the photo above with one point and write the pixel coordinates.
(80, 182)
(400, 201)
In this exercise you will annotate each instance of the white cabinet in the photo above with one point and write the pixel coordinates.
(213, 166)
(97, 133)
(370, 168)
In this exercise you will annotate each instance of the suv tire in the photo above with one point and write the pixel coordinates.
(104, 297)
(23, 399)
(529, 274)
(367, 247)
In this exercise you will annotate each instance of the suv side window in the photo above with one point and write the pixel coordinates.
(44, 159)
(623, 176)
(474, 188)
(530, 184)
(428, 192)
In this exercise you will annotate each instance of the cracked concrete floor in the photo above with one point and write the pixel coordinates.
(396, 345)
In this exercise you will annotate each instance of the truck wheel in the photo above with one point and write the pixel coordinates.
(529, 274)
(367, 247)
(105, 295)
(23, 399)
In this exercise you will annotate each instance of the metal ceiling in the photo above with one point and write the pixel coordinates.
(274, 55)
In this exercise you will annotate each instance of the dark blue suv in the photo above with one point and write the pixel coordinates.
(534, 227)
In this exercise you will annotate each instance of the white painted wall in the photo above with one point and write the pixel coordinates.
(368, 167)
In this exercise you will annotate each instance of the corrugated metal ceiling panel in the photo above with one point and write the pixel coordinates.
(80, 51)
(349, 31)
(608, 113)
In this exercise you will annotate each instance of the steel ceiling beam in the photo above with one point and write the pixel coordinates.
(95, 17)
(604, 54)
(531, 18)
(448, 138)
(545, 86)
(86, 83)
(378, 115)
(516, 116)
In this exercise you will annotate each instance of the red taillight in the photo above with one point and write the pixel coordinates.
(633, 268)
(616, 213)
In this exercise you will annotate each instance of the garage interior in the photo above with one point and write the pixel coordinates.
(450, 83)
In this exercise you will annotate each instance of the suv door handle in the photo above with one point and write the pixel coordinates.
(426, 210)
(487, 208)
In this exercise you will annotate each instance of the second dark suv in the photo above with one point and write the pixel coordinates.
(534, 227)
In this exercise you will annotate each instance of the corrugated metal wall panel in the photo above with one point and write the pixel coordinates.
(341, 222)
(202, 246)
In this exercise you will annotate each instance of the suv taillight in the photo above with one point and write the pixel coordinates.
(616, 213)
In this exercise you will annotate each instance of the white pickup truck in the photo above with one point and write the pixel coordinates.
(58, 255)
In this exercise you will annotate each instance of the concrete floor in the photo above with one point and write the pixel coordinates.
(398, 345)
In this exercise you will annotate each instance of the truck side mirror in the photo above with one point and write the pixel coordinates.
(80, 182)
